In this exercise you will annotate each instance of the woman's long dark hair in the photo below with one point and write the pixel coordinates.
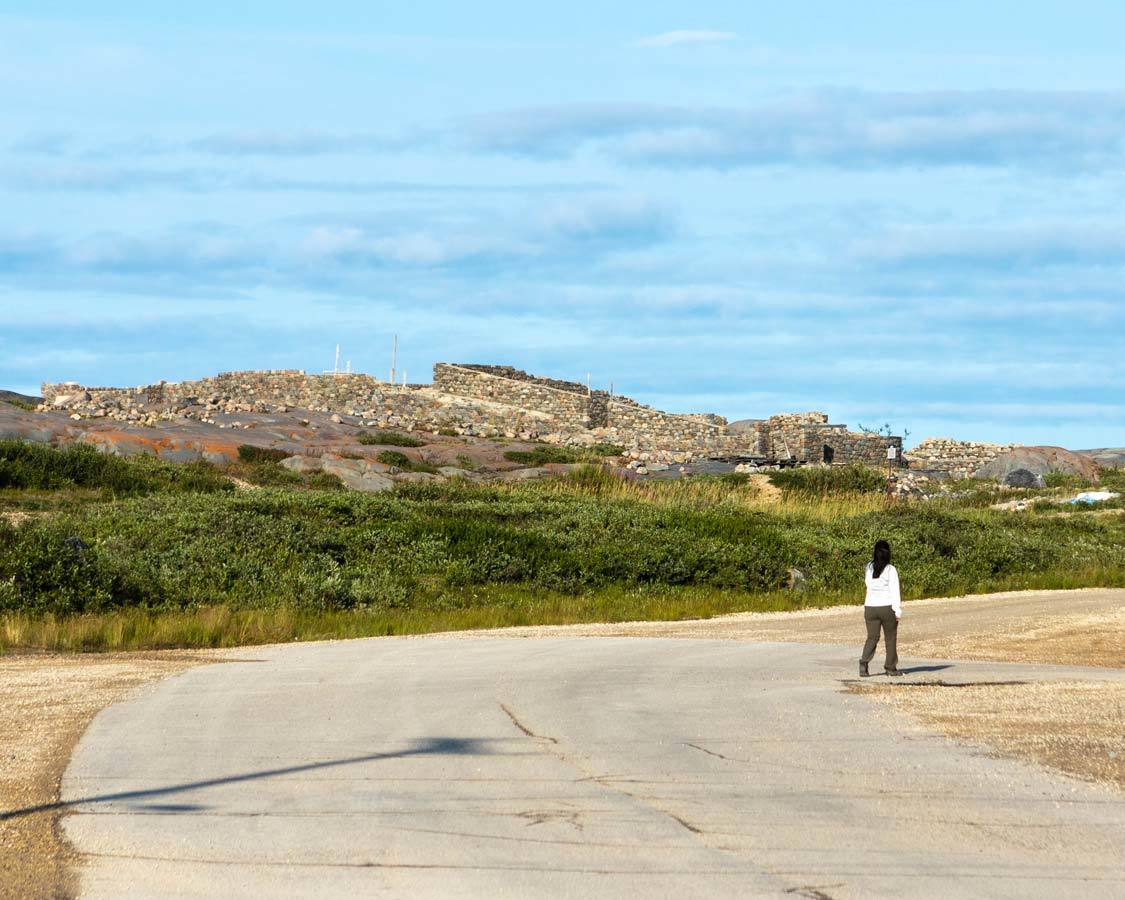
(881, 558)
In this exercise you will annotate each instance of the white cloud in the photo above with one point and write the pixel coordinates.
(676, 38)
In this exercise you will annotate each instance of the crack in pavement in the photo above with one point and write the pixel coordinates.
(812, 891)
(524, 728)
(599, 780)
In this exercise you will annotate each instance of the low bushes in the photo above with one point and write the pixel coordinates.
(40, 467)
(404, 462)
(248, 453)
(389, 439)
(552, 453)
(812, 480)
(443, 545)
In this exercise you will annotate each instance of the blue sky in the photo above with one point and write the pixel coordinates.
(888, 213)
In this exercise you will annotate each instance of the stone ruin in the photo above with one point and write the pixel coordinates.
(487, 401)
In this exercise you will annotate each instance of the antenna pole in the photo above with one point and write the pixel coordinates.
(394, 357)
(336, 365)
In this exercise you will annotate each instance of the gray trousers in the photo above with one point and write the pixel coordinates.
(877, 617)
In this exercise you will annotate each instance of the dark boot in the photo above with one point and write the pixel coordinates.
(863, 673)
(894, 672)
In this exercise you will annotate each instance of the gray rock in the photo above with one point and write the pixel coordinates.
(523, 474)
(302, 464)
(418, 477)
(357, 475)
(1023, 478)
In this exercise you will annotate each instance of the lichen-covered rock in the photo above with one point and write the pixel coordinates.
(1039, 461)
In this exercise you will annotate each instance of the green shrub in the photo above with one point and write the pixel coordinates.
(812, 480)
(445, 544)
(325, 481)
(606, 450)
(268, 474)
(1113, 480)
(394, 458)
(248, 453)
(40, 467)
(1068, 480)
(389, 439)
(404, 462)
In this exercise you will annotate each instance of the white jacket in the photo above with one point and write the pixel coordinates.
(884, 590)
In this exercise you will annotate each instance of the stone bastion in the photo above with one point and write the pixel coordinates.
(490, 401)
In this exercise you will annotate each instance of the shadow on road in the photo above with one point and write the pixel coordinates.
(439, 746)
(936, 668)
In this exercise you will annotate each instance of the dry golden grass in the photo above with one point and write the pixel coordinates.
(756, 492)
(1075, 727)
(1095, 639)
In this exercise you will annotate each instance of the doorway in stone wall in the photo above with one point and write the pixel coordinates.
(829, 454)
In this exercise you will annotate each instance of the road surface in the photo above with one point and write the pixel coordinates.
(568, 767)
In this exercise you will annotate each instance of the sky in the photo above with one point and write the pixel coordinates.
(903, 214)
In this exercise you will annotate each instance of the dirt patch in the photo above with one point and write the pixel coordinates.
(1096, 639)
(766, 490)
(46, 702)
(1076, 727)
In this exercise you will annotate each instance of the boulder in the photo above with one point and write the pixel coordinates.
(357, 475)
(418, 477)
(1039, 461)
(524, 474)
(302, 464)
(1022, 478)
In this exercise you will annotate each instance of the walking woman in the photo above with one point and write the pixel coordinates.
(881, 609)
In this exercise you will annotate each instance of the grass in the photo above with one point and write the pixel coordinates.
(175, 566)
(550, 453)
(389, 439)
(250, 454)
(823, 480)
(222, 626)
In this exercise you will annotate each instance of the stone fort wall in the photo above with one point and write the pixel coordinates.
(482, 400)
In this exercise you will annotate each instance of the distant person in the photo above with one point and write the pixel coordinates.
(881, 609)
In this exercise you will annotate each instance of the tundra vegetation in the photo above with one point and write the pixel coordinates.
(102, 553)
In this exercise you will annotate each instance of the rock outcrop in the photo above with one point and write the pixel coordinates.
(1037, 462)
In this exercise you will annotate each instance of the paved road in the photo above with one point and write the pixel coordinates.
(567, 767)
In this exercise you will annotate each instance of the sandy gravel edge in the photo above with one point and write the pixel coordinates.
(46, 703)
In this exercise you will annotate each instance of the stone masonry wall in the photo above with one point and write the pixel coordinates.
(957, 459)
(476, 400)
(569, 407)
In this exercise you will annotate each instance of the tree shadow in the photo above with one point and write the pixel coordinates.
(438, 746)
